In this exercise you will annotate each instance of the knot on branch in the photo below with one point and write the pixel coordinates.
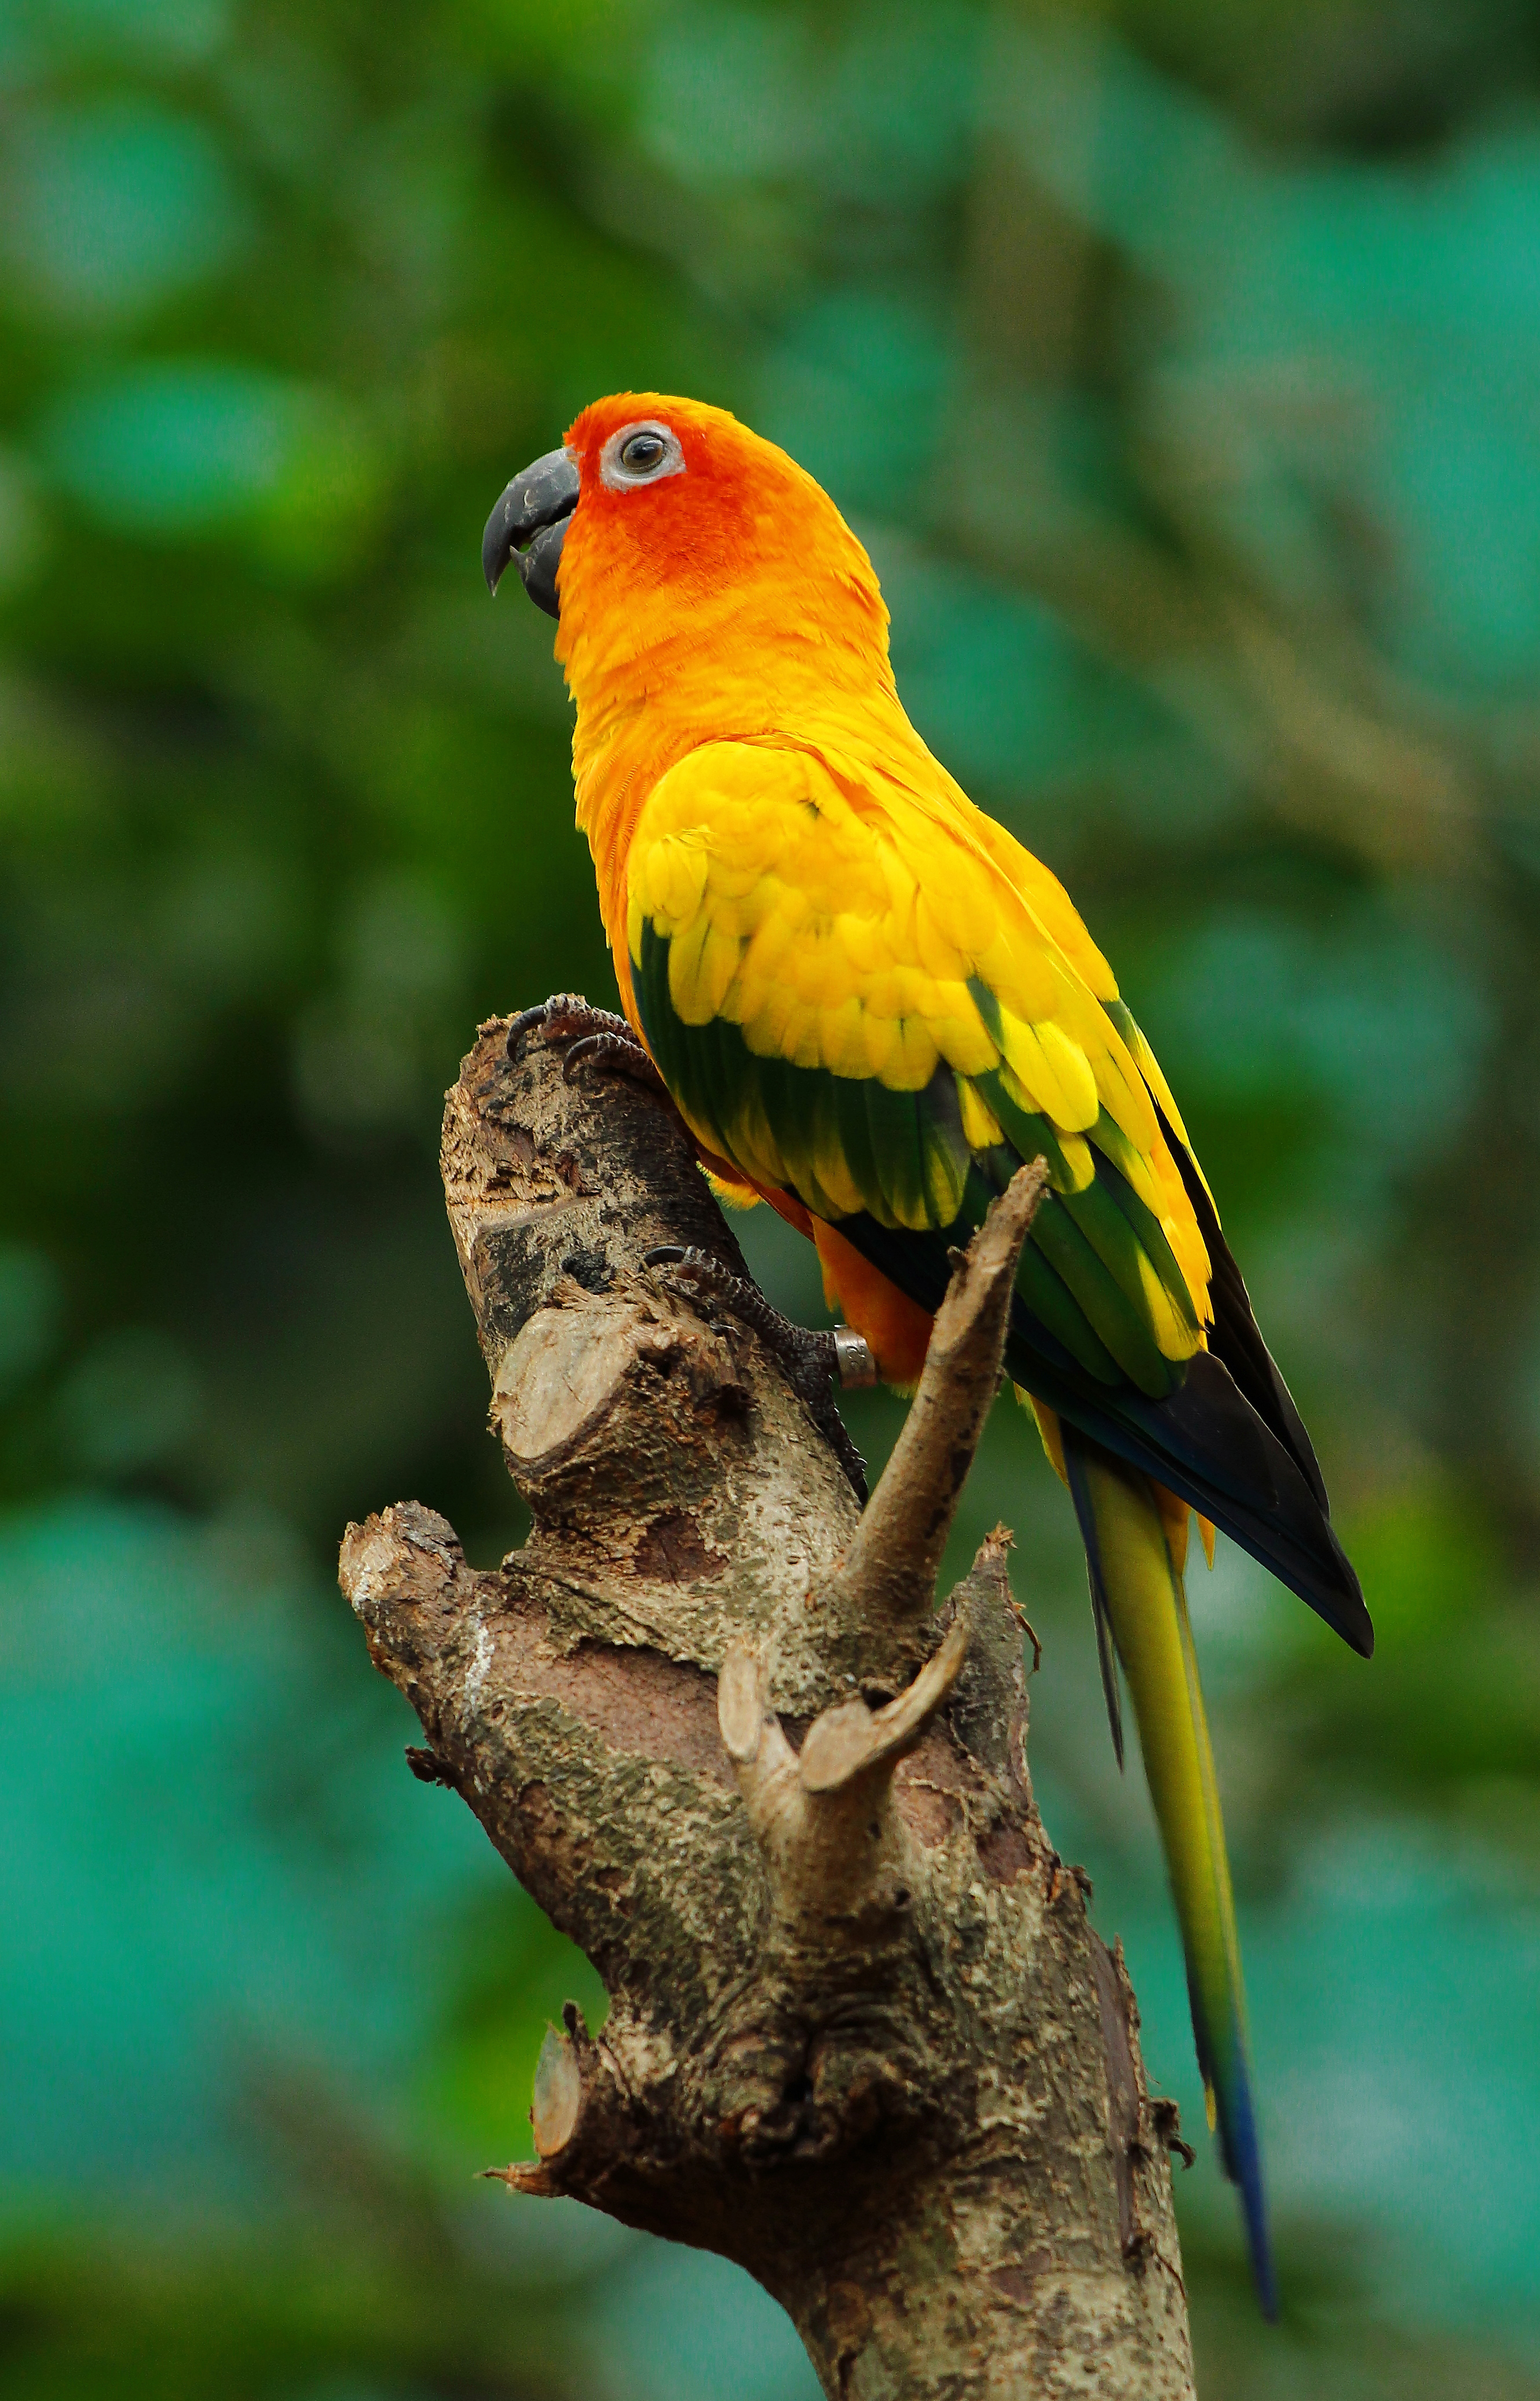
(577, 2115)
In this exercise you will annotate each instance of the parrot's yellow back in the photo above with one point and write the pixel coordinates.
(871, 1006)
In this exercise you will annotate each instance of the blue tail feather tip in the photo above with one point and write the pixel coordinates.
(1243, 2157)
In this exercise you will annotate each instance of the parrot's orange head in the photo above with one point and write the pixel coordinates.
(664, 531)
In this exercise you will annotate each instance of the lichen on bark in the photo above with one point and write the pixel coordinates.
(862, 2037)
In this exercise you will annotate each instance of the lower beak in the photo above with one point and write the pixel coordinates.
(528, 525)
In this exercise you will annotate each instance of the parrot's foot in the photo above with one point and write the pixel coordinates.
(565, 1015)
(596, 1036)
(812, 1360)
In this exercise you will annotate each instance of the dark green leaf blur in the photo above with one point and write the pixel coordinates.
(1180, 363)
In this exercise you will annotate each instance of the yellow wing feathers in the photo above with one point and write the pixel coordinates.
(837, 940)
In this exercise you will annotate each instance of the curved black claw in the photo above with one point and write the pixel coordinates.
(810, 1359)
(562, 1017)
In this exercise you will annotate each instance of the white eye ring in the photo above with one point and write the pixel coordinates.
(621, 476)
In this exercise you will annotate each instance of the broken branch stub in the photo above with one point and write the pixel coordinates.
(838, 1850)
(860, 2035)
(889, 1572)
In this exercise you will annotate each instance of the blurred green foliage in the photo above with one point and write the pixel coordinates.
(1176, 359)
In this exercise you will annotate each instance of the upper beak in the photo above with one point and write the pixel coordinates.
(530, 523)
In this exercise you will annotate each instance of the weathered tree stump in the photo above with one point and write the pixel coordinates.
(863, 2039)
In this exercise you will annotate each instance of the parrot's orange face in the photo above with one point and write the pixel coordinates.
(662, 519)
(676, 499)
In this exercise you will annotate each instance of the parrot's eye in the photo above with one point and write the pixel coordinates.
(640, 454)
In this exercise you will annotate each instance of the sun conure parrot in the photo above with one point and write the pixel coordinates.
(871, 1006)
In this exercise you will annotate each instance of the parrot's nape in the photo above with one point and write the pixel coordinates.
(871, 1006)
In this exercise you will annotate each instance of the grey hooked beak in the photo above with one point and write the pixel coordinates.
(528, 525)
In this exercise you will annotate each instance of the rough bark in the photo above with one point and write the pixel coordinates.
(862, 2036)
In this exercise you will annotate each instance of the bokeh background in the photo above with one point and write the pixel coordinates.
(1180, 363)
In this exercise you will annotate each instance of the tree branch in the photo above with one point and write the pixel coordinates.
(861, 2036)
